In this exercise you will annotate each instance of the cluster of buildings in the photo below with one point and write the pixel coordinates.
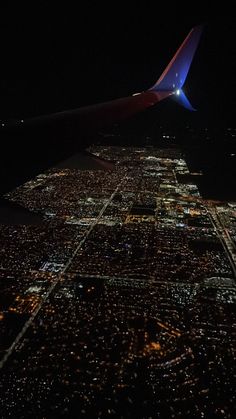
(134, 278)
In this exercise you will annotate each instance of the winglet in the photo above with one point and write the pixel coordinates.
(174, 76)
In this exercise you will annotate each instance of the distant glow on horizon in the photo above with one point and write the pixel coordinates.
(177, 92)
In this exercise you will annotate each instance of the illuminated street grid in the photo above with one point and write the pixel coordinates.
(129, 293)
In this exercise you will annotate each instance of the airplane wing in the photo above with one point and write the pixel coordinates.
(61, 134)
(92, 118)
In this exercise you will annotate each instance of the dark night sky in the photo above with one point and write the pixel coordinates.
(55, 59)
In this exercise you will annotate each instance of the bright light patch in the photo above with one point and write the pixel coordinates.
(177, 92)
